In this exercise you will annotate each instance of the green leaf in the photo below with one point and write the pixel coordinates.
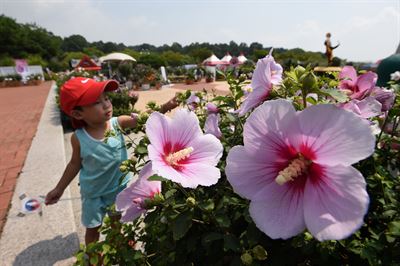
(239, 95)
(336, 94)
(311, 100)
(231, 242)
(156, 178)
(141, 150)
(223, 220)
(181, 225)
(394, 228)
(137, 255)
(207, 205)
(106, 260)
(231, 117)
(169, 193)
(219, 98)
(94, 260)
(211, 237)
(106, 248)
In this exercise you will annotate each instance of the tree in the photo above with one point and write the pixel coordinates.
(93, 51)
(176, 59)
(42, 42)
(151, 59)
(74, 43)
(10, 36)
(199, 54)
(255, 46)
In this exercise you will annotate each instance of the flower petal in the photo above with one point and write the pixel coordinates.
(279, 212)
(211, 125)
(366, 108)
(334, 136)
(335, 206)
(206, 149)
(261, 78)
(348, 77)
(367, 81)
(184, 127)
(199, 174)
(265, 127)
(254, 98)
(131, 213)
(248, 174)
(157, 126)
(140, 190)
(385, 97)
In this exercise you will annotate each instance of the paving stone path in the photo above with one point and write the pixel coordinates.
(20, 111)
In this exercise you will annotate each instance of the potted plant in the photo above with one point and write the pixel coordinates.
(189, 78)
(37, 79)
(13, 80)
(209, 77)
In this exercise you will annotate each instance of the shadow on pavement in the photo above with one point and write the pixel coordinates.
(48, 252)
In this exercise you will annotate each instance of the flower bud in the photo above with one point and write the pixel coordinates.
(123, 168)
(242, 77)
(259, 253)
(246, 259)
(309, 81)
(299, 70)
(191, 202)
(143, 116)
(133, 159)
(158, 198)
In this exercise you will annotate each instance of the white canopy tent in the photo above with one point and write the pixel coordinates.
(212, 61)
(226, 60)
(241, 58)
(116, 57)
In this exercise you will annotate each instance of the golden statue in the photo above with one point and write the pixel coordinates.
(329, 48)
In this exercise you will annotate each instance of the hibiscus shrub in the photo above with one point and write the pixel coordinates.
(297, 173)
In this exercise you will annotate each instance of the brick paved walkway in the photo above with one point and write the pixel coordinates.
(20, 111)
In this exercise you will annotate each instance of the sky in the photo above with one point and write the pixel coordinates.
(366, 30)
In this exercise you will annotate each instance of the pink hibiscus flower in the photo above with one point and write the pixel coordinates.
(266, 74)
(131, 201)
(193, 101)
(385, 97)
(211, 126)
(366, 108)
(211, 108)
(295, 167)
(357, 87)
(179, 150)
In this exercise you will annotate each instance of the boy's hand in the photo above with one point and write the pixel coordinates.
(171, 104)
(53, 196)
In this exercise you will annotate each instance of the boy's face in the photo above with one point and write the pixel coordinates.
(98, 112)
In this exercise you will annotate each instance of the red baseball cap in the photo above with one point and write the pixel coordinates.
(81, 91)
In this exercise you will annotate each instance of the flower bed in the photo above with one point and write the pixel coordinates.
(296, 170)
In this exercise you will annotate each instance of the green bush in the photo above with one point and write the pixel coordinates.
(212, 225)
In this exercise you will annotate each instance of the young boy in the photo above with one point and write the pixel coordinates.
(85, 101)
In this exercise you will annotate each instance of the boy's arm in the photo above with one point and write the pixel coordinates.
(69, 174)
(168, 106)
(126, 121)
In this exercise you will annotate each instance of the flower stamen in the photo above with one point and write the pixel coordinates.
(296, 167)
(175, 157)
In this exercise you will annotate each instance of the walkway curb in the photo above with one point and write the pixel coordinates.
(50, 239)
